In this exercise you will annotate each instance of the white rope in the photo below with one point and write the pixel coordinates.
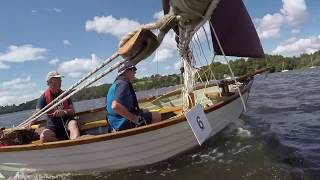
(215, 79)
(205, 33)
(65, 128)
(194, 41)
(106, 62)
(186, 33)
(208, 69)
(207, 63)
(188, 76)
(157, 71)
(204, 89)
(110, 69)
(205, 57)
(232, 74)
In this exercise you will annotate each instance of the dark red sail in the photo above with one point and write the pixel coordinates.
(235, 30)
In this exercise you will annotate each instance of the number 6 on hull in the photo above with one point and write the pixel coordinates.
(199, 123)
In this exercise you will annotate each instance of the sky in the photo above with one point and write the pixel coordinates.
(75, 36)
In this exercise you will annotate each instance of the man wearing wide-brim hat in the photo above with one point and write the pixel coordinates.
(122, 107)
(60, 123)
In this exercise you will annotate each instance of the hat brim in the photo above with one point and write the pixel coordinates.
(56, 76)
(123, 71)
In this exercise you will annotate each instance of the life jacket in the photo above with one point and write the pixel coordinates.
(48, 97)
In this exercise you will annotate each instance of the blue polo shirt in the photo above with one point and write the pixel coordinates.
(121, 91)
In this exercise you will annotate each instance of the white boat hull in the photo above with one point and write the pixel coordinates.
(123, 152)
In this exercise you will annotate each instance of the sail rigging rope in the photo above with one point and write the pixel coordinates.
(208, 65)
(190, 21)
(206, 35)
(205, 87)
(101, 75)
(232, 74)
(64, 126)
(106, 62)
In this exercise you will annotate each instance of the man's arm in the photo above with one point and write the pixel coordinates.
(65, 112)
(122, 111)
(70, 111)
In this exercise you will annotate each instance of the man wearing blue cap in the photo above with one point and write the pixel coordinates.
(122, 107)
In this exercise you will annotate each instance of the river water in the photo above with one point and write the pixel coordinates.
(277, 138)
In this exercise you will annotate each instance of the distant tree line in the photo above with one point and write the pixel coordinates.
(240, 67)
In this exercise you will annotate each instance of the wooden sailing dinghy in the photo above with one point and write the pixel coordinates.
(134, 147)
(152, 143)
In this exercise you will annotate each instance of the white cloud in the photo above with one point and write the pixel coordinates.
(66, 42)
(177, 65)
(158, 15)
(270, 25)
(18, 91)
(163, 54)
(4, 66)
(79, 66)
(57, 10)
(293, 13)
(143, 69)
(295, 31)
(22, 53)
(111, 25)
(167, 49)
(298, 46)
(54, 61)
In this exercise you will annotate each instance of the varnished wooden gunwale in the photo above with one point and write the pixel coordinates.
(120, 134)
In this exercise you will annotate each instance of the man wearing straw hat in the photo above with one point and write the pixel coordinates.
(61, 119)
(122, 105)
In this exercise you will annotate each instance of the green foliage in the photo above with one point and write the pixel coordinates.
(239, 67)
(13, 108)
(91, 93)
(156, 81)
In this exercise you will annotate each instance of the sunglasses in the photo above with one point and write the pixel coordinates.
(133, 69)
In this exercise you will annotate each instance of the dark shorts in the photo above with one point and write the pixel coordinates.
(59, 127)
(128, 124)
